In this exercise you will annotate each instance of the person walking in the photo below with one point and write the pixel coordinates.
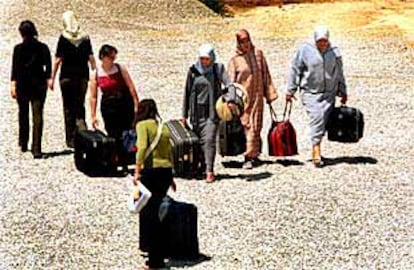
(205, 79)
(119, 101)
(249, 68)
(31, 70)
(74, 51)
(155, 173)
(317, 71)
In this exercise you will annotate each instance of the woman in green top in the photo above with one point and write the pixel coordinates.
(155, 172)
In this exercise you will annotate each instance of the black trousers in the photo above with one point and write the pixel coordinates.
(37, 102)
(73, 95)
(152, 230)
(118, 114)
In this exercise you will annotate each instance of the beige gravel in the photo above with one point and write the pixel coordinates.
(356, 213)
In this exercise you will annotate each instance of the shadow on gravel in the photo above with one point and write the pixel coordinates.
(284, 162)
(247, 177)
(349, 160)
(289, 162)
(238, 164)
(58, 154)
(187, 263)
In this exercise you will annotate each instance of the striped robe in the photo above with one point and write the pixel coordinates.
(251, 70)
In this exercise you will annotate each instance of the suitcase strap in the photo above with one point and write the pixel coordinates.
(273, 112)
(156, 140)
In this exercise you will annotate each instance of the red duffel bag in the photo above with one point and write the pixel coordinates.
(282, 135)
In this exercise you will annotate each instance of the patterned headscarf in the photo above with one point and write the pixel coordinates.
(239, 34)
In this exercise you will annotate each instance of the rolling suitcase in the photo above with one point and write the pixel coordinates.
(282, 135)
(95, 153)
(186, 150)
(232, 140)
(346, 125)
(181, 230)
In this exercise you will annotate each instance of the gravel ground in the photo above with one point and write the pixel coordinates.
(355, 213)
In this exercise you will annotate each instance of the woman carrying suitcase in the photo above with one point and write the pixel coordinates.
(119, 98)
(248, 67)
(155, 173)
(316, 70)
(203, 87)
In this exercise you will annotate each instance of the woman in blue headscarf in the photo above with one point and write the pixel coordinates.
(203, 87)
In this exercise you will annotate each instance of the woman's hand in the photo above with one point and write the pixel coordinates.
(94, 122)
(13, 93)
(51, 83)
(231, 105)
(344, 99)
(137, 178)
(289, 97)
(245, 120)
(184, 121)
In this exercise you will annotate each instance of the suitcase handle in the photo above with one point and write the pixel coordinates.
(273, 113)
(287, 104)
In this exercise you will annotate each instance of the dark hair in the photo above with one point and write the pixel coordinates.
(106, 50)
(147, 109)
(27, 29)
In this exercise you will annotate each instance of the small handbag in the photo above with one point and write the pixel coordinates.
(129, 140)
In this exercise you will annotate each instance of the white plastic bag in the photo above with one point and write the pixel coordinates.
(138, 198)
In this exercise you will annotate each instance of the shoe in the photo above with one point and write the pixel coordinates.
(248, 165)
(210, 177)
(37, 155)
(256, 162)
(70, 145)
(160, 265)
(23, 148)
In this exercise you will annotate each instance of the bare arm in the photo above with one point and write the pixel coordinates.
(56, 65)
(131, 87)
(13, 75)
(92, 62)
(93, 88)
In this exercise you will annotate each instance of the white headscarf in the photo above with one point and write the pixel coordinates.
(72, 31)
(321, 32)
(206, 50)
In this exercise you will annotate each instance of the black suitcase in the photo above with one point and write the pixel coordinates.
(186, 150)
(346, 124)
(181, 231)
(232, 140)
(95, 153)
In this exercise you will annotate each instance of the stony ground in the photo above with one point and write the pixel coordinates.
(356, 213)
